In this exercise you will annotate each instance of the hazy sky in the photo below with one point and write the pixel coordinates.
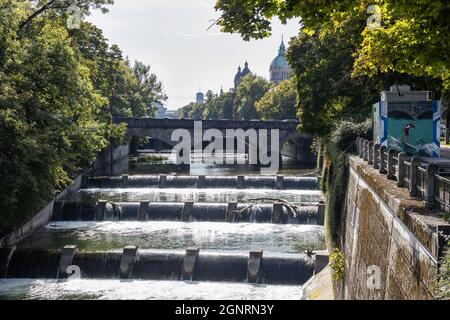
(172, 37)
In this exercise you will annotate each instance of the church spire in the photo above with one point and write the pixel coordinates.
(282, 50)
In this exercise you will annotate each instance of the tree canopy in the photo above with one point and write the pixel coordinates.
(239, 104)
(340, 64)
(413, 37)
(59, 89)
(251, 89)
(279, 102)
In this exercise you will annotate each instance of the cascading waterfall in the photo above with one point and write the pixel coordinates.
(160, 211)
(213, 235)
(212, 182)
(160, 265)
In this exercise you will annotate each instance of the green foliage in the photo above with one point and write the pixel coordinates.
(327, 92)
(57, 91)
(254, 98)
(279, 102)
(250, 90)
(337, 263)
(192, 111)
(252, 18)
(131, 90)
(220, 107)
(335, 172)
(413, 37)
(443, 283)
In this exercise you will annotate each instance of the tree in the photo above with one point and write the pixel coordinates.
(57, 91)
(323, 57)
(48, 114)
(221, 107)
(250, 90)
(210, 96)
(132, 91)
(327, 92)
(413, 37)
(149, 91)
(192, 111)
(42, 7)
(280, 102)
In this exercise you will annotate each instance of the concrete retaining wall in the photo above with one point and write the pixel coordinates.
(392, 244)
(41, 219)
(112, 162)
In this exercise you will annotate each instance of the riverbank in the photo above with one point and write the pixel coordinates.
(320, 287)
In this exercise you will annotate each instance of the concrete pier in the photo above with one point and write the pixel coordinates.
(189, 263)
(277, 212)
(187, 210)
(100, 211)
(68, 252)
(129, 256)
(254, 266)
(143, 211)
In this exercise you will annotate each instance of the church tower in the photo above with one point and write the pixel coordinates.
(279, 68)
(237, 77)
(241, 74)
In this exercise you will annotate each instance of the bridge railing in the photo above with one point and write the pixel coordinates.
(147, 123)
(426, 181)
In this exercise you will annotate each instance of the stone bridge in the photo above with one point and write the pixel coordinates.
(293, 143)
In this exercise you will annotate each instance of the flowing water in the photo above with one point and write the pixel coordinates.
(197, 195)
(173, 234)
(143, 290)
(169, 226)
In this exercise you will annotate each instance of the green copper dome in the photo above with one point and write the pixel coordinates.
(280, 61)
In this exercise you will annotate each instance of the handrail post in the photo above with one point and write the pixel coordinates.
(376, 156)
(383, 159)
(390, 164)
(370, 156)
(358, 146)
(415, 164)
(366, 150)
(361, 148)
(400, 169)
(432, 170)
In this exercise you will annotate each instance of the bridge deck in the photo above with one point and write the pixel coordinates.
(143, 123)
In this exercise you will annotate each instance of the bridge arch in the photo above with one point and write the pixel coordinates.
(296, 144)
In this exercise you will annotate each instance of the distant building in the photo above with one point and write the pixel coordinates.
(279, 68)
(200, 97)
(162, 112)
(241, 74)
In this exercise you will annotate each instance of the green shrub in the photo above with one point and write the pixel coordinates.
(337, 263)
(443, 280)
(340, 144)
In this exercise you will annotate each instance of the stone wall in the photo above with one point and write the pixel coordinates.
(112, 162)
(388, 236)
(41, 219)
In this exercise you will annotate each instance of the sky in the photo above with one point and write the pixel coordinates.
(172, 37)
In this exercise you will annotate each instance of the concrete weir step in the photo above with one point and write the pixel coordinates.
(277, 212)
(204, 182)
(133, 263)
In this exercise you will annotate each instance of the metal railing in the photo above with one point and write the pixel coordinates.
(426, 181)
